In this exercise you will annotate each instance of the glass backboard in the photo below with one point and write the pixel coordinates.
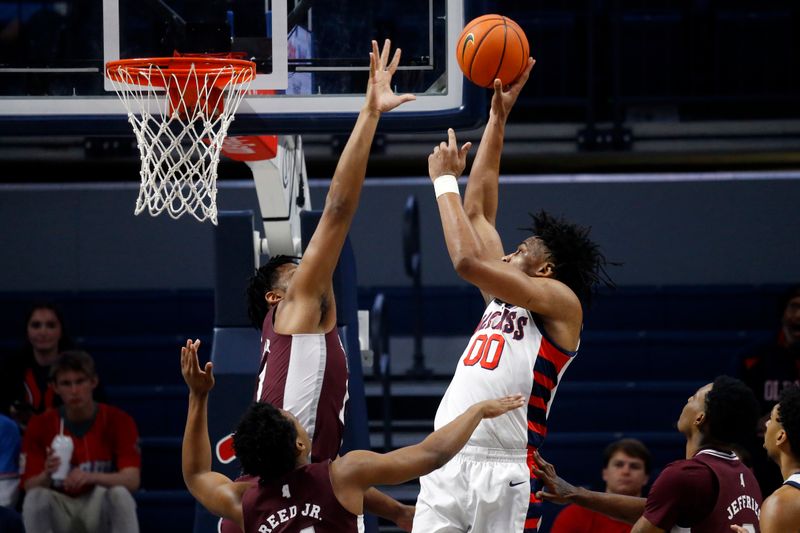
(311, 57)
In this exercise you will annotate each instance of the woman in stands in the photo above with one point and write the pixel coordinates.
(25, 387)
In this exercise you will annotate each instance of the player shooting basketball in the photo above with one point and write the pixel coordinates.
(527, 336)
(303, 365)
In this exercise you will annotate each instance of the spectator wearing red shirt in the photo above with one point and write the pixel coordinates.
(105, 467)
(626, 471)
(708, 492)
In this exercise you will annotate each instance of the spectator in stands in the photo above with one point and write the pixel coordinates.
(709, 491)
(775, 366)
(25, 386)
(294, 494)
(9, 462)
(626, 471)
(96, 495)
(781, 511)
(768, 369)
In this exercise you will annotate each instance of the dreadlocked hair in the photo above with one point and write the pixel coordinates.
(264, 442)
(578, 262)
(260, 283)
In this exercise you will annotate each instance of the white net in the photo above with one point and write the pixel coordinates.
(180, 116)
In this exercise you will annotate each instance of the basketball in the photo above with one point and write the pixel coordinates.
(490, 47)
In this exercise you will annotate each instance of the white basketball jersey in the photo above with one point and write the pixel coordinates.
(507, 354)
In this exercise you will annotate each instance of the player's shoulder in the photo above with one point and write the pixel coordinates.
(685, 473)
(784, 496)
(781, 509)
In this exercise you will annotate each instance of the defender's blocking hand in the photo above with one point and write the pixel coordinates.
(380, 96)
(556, 490)
(500, 406)
(200, 381)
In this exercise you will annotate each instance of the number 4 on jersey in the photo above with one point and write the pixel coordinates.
(487, 350)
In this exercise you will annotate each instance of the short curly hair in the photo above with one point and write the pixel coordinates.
(732, 412)
(264, 442)
(578, 262)
(630, 447)
(789, 417)
(261, 282)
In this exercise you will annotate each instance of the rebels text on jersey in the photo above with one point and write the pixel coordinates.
(509, 353)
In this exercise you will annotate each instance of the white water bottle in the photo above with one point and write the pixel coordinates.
(62, 447)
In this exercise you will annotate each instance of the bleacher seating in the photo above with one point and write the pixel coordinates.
(644, 350)
(134, 338)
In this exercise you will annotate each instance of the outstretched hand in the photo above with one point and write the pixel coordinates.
(504, 98)
(500, 406)
(200, 381)
(447, 158)
(739, 529)
(556, 489)
(380, 96)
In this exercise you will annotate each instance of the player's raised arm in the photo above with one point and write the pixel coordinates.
(313, 277)
(480, 199)
(214, 491)
(473, 261)
(358, 470)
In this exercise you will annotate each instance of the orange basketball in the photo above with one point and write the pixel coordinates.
(490, 47)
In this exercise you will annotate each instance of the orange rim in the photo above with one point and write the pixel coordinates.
(137, 70)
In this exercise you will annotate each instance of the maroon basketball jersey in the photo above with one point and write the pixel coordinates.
(302, 501)
(306, 374)
(739, 498)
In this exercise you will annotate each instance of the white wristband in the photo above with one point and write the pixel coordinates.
(444, 184)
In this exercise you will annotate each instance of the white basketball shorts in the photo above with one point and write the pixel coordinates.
(481, 490)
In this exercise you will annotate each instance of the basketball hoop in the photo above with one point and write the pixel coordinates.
(180, 109)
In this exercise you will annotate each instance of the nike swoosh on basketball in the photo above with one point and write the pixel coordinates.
(512, 484)
(470, 39)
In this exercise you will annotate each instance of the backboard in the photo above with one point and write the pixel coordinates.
(312, 56)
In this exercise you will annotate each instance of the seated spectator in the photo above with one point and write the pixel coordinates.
(772, 367)
(25, 376)
(781, 511)
(768, 370)
(626, 471)
(95, 495)
(709, 491)
(9, 462)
